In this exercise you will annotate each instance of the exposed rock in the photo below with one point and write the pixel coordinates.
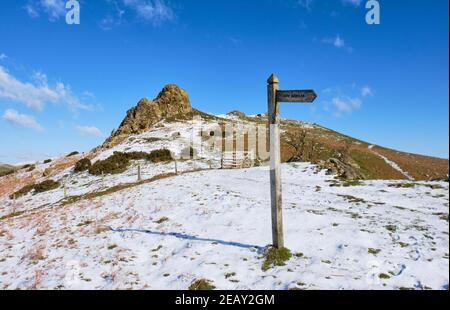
(348, 171)
(172, 102)
(237, 113)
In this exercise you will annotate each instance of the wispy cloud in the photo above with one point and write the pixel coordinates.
(346, 104)
(366, 91)
(3, 56)
(23, 120)
(90, 130)
(54, 9)
(36, 94)
(305, 4)
(338, 42)
(339, 102)
(153, 11)
(355, 3)
(114, 17)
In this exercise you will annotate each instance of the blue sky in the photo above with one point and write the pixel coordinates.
(65, 87)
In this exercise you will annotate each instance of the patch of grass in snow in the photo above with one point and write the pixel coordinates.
(101, 229)
(22, 192)
(352, 199)
(391, 228)
(151, 140)
(384, 276)
(42, 187)
(275, 257)
(352, 183)
(347, 183)
(442, 216)
(403, 244)
(202, 285)
(14, 214)
(296, 289)
(46, 186)
(159, 247)
(85, 223)
(230, 274)
(299, 254)
(402, 185)
(373, 251)
(162, 220)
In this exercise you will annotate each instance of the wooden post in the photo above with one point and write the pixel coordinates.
(139, 172)
(275, 163)
(14, 203)
(176, 167)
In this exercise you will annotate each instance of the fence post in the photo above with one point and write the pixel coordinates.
(139, 172)
(14, 203)
(176, 167)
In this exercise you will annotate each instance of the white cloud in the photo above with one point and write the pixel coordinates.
(305, 4)
(36, 95)
(366, 91)
(21, 119)
(31, 9)
(54, 9)
(346, 104)
(355, 3)
(337, 42)
(153, 11)
(90, 130)
(113, 18)
(3, 56)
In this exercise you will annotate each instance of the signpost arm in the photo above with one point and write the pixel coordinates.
(275, 160)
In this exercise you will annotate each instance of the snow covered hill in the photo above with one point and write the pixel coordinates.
(162, 224)
(215, 224)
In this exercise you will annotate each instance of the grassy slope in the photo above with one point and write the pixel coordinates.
(373, 166)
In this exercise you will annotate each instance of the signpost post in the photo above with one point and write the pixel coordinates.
(274, 97)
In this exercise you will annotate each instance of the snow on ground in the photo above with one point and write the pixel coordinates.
(215, 224)
(173, 136)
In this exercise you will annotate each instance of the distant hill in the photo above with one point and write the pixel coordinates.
(6, 169)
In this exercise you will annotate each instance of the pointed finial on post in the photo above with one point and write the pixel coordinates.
(273, 79)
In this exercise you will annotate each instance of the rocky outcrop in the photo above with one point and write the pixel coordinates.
(343, 170)
(237, 113)
(172, 102)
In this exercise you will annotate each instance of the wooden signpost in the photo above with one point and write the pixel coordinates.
(274, 97)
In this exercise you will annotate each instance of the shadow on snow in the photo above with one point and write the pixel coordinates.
(192, 238)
